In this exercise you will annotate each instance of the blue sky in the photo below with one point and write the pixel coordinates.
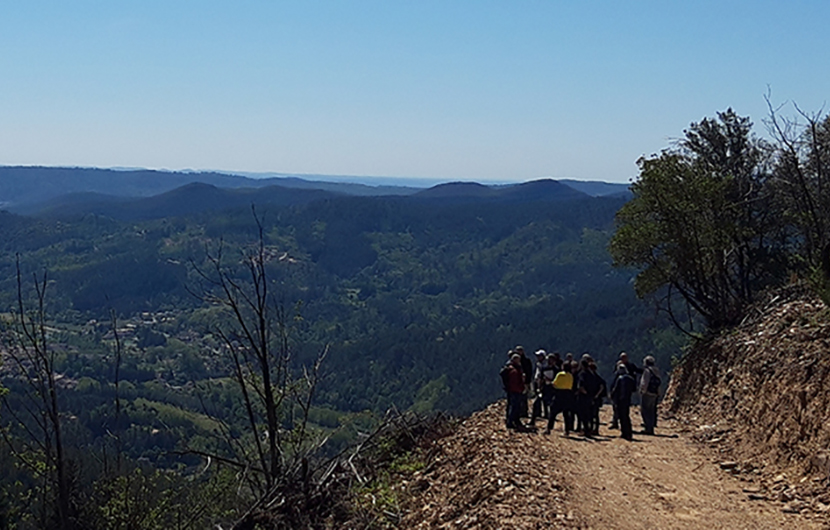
(455, 90)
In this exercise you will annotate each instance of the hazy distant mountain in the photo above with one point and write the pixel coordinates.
(347, 187)
(537, 190)
(29, 185)
(453, 190)
(599, 189)
(61, 192)
(192, 198)
(540, 190)
(23, 187)
(71, 204)
(408, 184)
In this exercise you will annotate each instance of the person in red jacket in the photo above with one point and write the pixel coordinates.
(514, 384)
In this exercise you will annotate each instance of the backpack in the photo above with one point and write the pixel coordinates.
(563, 381)
(653, 383)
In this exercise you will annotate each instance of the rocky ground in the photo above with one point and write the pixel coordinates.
(486, 477)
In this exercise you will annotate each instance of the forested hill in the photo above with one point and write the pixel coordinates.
(419, 297)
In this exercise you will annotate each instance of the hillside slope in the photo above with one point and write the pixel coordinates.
(762, 390)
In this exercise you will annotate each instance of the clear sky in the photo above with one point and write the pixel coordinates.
(457, 90)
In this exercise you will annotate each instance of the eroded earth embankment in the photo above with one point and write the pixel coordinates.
(759, 395)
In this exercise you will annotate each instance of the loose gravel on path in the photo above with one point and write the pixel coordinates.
(486, 477)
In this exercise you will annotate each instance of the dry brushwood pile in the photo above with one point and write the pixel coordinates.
(759, 395)
(330, 494)
(483, 476)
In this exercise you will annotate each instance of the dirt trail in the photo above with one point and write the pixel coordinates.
(489, 478)
(664, 481)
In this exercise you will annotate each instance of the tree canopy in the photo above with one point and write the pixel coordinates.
(701, 224)
(723, 214)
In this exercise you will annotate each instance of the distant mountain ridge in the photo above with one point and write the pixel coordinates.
(22, 188)
(456, 190)
(599, 189)
(146, 194)
(193, 198)
(536, 190)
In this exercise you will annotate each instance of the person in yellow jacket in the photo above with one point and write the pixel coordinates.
(563, 397)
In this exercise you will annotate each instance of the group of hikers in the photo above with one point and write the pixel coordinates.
(574, 389)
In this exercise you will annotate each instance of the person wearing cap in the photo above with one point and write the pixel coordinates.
(621, 390)
(586, 357)
(540, 408)
(648, 397)
(555, 361)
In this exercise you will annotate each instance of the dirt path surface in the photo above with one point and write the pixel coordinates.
(487, 477)
(666, 481)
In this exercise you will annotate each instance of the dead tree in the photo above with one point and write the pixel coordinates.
(38, 443)
(258, 345)
(802, 174)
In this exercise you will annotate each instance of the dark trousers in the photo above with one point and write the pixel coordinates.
(542, 403)
(583, 412)
(596, 404)
(514, 408)
(547, 398)
(537, 411)
(570, 413)
(648, 409)
(562, 402)
(625, 419)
